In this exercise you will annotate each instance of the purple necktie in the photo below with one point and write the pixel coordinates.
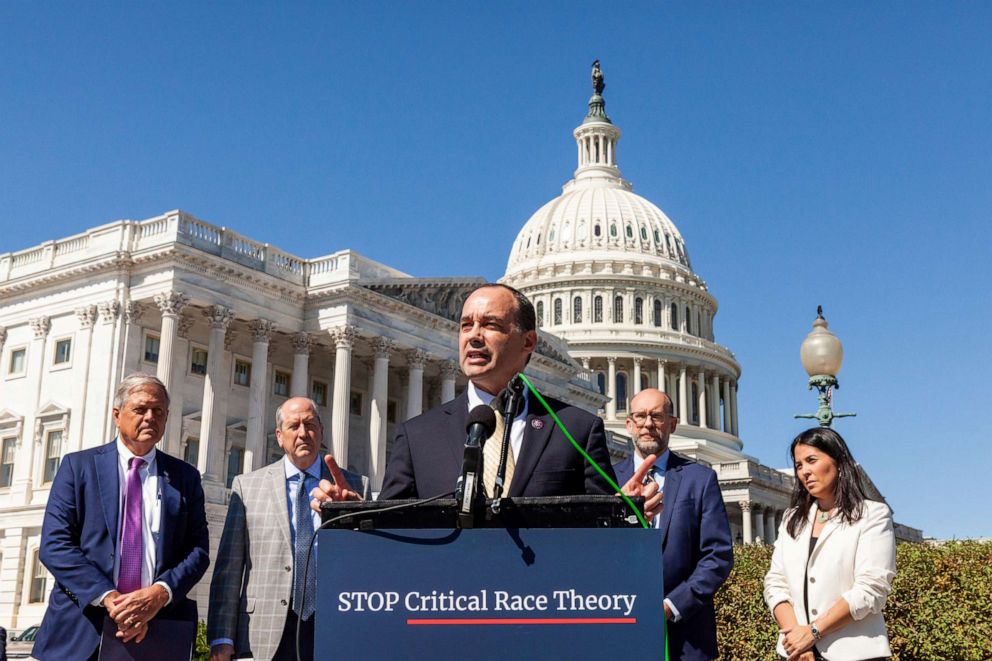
(132, 554)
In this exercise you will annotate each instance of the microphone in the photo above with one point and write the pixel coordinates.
(511, 403)
(481, 424)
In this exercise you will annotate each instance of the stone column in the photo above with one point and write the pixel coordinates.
(726, 407)
(13, 561)
(714, 401)
(770, 527)
(22, 484)
(80, 377)
(132, 338)
(637, 375)
(381, 347)
(662, 379)
(344, 339)
(300, 384)
(261, 331)
(213, 415)
(733, 409)
(100, 391)
(701, 386)
(415, 361)
(759, 524)
(746, 520)
(449, 372)
(171, 303)
(611, 388)
(683, 395)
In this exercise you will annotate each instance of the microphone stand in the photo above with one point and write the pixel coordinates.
(513, 404)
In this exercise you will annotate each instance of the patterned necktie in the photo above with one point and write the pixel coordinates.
(654, 474)
(303, 593)
(490, 459)
(132, 552)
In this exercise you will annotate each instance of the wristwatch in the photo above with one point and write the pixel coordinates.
(814, 630)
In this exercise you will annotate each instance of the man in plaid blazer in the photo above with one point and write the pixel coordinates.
(252, 609)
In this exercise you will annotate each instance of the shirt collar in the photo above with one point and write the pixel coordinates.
(291, 471)
(477, 396)
(125, 455)
(661, 464)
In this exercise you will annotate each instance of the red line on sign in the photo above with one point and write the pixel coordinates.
(526, 620)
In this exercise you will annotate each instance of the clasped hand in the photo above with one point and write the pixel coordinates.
(133, 611)
(798, 641)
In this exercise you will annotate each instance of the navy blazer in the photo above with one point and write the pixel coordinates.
(426, 458)
(79, 541)
(697, 552)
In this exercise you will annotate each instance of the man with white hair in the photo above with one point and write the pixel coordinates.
(259, 593)
(125, 532)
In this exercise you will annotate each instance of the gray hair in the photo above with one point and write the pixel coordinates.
(313, 407)
(132, 382)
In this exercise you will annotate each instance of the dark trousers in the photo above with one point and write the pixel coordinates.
(287, 644)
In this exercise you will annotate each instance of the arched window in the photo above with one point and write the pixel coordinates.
(694, 406)
(657, 313)
(577, 310)
(557, 312)
(644, 234)
(597, 230)
(551, 235)
(601, 382)
(638, 310)
(618, 310)
(630, 231)
(688, 321)
(674, 321)
(538, 242)
(621, 392)
(613, 229)
(657, 237)
(597, 310)
(540, 313)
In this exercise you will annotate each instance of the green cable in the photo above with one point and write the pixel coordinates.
(592, 463)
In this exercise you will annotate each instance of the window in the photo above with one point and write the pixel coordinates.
(198, 361)
(645, 382)
(699, 323)
(597, 309)
(235, 461)
(391, 411)
(601, 382)
(644, 234)
(7, 451)
(657, 237)
(597, 230)
(577, 310)
(657, 314)
(18, 361)
(318, 392)
(39, 580)
(355, 405)
(557, 312)
(191, 452)
(53, 453)
(540, 313)
(551, 235)
(674, 321)
(281, 384)
(242, 372)
(694, 405)
(621, 392)
(688, 320)
(618, 310)
(630, 232)
(638, 310)
(151, 349)
(613, 229)
(63, 351)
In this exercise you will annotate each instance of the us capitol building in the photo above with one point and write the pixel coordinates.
(234, 327)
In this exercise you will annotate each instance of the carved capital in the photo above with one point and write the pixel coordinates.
(109, 311)
(183, 325)
(745, 506)
(261, 329)
(133, 311)
(417, 358)
(219, 316)
(87, 316)
(40, 326)
(638, 360)
(302, 342)
(612, 360)
(381, 346)
(344, 337)
(171, 302)
(449, 369)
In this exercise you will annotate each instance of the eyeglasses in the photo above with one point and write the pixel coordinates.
(641, 418)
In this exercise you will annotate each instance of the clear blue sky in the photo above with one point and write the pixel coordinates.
(810, 153)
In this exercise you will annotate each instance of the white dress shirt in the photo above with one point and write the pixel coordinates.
(478, 396)
(312, 476)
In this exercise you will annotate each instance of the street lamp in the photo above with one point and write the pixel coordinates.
(822, 355)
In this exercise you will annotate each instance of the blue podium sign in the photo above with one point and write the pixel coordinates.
(490, 594)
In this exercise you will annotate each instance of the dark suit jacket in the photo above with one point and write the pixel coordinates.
(78, 543)
(427, 453)
(697, 552)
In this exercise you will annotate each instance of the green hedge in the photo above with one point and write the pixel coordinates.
(940, 607)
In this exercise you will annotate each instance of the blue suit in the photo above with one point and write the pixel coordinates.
(697, 551)
(79, 542)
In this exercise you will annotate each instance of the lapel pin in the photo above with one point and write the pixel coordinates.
(537, 423)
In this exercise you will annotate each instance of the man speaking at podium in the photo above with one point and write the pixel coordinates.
(497, 335)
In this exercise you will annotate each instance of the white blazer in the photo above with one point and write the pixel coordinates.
(854, 561)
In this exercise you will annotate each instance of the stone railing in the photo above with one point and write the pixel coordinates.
(755, 472)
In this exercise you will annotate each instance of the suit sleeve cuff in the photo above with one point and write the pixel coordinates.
(167, 589)
(221, 641)
(676, 616)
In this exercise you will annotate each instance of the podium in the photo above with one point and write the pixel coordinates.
(564, 577)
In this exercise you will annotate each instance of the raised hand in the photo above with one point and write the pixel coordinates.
(328, 491)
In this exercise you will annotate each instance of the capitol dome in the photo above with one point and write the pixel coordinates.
(609, 273)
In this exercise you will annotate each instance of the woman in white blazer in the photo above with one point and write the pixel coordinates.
(834, 560)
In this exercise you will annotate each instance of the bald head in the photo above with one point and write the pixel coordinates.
(651, 421)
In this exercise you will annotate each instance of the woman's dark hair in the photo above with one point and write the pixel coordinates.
(850, 490)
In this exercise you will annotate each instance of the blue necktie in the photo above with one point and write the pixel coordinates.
(303, 592)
